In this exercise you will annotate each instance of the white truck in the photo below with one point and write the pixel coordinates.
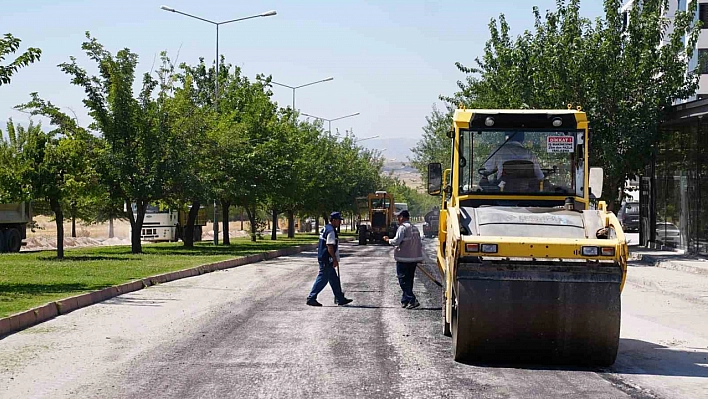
(13, 225)
(164, 224)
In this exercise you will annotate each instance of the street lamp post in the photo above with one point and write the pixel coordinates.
(293, 88)
(366, 138)
(329, 121)
(216, 78)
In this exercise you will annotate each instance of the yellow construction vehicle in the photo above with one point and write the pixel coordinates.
(532, 273)
(378, 210)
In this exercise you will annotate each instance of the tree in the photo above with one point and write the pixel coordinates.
(624, 77)
(135, 129)
(9, 45)
(13, 188)
(57, 164)
(188, 148)
(245, 139)
(418, 203)
(434, 146)
(287, 161)
(339, 171)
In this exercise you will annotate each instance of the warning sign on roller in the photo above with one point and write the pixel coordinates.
(560, 144)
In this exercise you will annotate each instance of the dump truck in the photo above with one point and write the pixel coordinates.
(532, 273)
(13, 225)
(378, 211)
(166, 224)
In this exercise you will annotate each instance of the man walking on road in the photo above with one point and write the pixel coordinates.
(409, 251)
(328, 258)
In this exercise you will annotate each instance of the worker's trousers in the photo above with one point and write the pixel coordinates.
(406, 272)
(327, 275)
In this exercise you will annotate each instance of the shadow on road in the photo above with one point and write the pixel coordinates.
(390, 307)
(635, 357)
(125, 301)
(641, 357)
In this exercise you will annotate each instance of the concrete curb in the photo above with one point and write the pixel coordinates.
(29, 318)
(678, 265)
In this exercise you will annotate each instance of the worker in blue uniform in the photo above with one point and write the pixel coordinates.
(328, 258)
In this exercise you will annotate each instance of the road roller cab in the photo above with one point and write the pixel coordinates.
(533, 269)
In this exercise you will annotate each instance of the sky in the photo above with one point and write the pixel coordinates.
(390, 60)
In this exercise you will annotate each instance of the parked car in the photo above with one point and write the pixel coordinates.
(668, 234)
(628, 216)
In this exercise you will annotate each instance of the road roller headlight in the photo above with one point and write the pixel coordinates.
(590, 251)
(608, 251)
(490, 248)
(472, 247)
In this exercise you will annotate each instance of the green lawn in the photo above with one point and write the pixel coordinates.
(32, 279)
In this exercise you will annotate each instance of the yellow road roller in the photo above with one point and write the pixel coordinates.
(533, 263)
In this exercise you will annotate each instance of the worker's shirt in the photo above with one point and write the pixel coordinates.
(328, 236)
(409, 248)
(513, 151)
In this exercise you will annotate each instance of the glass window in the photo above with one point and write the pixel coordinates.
(522, 162)
(380, 203)
(703, 60)
(632, 208)
(703, 14)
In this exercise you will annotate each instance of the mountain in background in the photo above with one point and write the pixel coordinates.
(393, 149)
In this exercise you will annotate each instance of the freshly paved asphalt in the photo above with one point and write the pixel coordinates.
(246, 332)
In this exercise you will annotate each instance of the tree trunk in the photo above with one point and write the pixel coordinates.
(241, 219)
(291, 224)
(136, 224)
(274, 230)
(252, 219)
(110, 228)
(188, 229)
(73, 220)
(317, 225)
(614, 188)
(59, 220)
(225, 206)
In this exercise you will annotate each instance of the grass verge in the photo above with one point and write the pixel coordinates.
(33, 279)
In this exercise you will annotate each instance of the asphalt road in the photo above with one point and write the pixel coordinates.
(246, 332)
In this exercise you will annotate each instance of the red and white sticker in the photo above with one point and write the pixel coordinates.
(560, 144)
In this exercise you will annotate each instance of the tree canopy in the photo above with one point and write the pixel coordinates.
(624, 75)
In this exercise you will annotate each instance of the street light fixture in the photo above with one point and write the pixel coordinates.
(331, 120)
(293, 88)
(366, 138)
(216, 77)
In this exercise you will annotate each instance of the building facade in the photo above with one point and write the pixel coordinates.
(674, 188)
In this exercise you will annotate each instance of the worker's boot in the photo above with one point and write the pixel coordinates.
(313, 302)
